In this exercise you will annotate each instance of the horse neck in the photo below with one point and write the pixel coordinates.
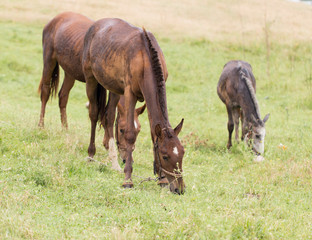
(249, 106)
(157, 113)
(248, 101)
(153, 85)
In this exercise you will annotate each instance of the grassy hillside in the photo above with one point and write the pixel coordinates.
(48, 191)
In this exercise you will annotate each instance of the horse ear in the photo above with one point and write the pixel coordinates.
(158, 131)
(120, 108)
(266, 117)
(140, 110)
(179, 127)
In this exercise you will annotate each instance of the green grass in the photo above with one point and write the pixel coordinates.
(49, 191)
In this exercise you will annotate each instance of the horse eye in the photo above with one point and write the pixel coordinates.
(122, 131)
(258, 136)
(165, 158)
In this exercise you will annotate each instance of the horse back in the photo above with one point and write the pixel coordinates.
(63, 40)
(231, 87)
(116, 48)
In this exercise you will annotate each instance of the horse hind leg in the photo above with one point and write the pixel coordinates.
(230, 126)
(242, 124)
(67, 85)
(236, 115)
(109, 118)
(49, 78)
(108, 123)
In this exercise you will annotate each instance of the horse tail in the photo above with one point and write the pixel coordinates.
(157, 73)
(244, 76)
(101, 102)
(54, 82)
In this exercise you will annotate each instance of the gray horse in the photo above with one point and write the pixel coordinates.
(237, 90)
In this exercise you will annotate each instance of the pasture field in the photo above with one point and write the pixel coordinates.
(49, 191)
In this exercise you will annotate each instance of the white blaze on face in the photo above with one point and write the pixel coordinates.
(135, 125)
(262, 133)
(175, 151)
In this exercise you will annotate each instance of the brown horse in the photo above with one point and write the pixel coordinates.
(62, 42)
(108, 122)
(63, 45)
(120, 125)
(237, 90)
(128, 61)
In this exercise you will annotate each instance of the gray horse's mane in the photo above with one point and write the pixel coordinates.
(243, 74)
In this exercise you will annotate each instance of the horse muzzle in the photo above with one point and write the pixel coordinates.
(177, 186)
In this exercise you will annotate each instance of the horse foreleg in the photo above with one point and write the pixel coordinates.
(68, 83)
(108, 123)
(109, 118)
(130, 136)
(230, 126)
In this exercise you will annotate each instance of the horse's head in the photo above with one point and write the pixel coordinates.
(168, 153)
(120, 128)
(256, 134)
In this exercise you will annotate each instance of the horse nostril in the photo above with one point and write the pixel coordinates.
(177, 191)
(124, 161)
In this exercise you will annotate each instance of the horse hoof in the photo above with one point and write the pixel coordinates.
(90, 159)
(127, 185)
(258, 158)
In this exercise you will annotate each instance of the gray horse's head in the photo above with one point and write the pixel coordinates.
(256, 134)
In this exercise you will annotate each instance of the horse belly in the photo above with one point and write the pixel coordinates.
(69, 49)
(72, 67)
(111, 78)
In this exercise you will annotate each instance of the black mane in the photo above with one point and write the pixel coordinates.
(158, 74)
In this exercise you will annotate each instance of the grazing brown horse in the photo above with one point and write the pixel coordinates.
(237, 90)
(63, 45)
(128, 61)
(120, 123)
(62, 42)
(108, 122)
(120, 126)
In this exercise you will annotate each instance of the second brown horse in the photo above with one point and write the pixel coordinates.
(62, 42)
